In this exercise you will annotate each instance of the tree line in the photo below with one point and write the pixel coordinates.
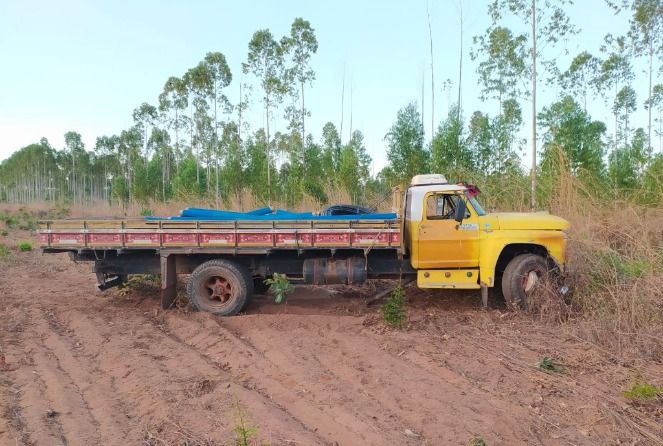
(195, 142)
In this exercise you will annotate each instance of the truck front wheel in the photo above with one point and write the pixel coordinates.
(521, 276)
(220, 287)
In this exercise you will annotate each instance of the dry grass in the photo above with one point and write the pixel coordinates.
(615, 269)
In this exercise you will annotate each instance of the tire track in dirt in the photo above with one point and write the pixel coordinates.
(276, 384)
(350, 391)
(174, 366)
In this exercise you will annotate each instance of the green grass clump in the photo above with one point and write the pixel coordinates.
(146, 212)
(4, 251)
(4, 232)
(550, 365)
(643, 391)
(393, 310)
(24, 246)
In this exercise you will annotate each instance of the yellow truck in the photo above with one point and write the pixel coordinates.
(440, 236)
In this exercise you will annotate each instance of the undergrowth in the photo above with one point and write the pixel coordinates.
(24, 246)
(393, 310)
(643, 391)
(140, 282)
(615, 271)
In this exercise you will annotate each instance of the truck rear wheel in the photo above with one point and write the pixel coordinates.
(521, 276)
(220, 287)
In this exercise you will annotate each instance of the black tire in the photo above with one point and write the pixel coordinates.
(220, 287)
(517, 282)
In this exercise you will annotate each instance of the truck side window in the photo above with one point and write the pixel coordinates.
(442, 207)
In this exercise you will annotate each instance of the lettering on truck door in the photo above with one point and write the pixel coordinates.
(443, 242)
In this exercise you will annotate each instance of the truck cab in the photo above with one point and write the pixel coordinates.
(452, 242)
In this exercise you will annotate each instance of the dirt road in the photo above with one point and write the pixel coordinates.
(84, 368)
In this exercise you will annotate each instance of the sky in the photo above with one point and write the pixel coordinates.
(85, 65)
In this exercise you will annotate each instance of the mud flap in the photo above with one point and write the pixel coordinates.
(168, 281)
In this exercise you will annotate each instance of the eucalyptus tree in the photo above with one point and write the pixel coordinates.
(568, 127)
(145, 116)
(548, 23)
(616, 70)
(199, 86)
(581, 76)
(479, 142)
(503, 65)
(405, 144)
(354, 164)
(331, 152)
(625, 104)
(106, 148)
(265, 62)
(449, 153)
(232, 172)
(504, 129)
(220, 77)
(174, 99)
(74, 146)
(300, 45)
(655, 102)
(159, 144)
(645, 36)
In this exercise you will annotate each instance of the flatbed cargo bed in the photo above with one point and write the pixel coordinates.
(218, 235)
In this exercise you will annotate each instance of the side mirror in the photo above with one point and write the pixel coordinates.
(461, 208)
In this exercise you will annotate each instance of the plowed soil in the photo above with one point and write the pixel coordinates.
(79, 367)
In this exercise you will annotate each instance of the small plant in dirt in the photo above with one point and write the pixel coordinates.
(144, 282)
(643, 391)
(549, 364)
(4, 233)
(24, 246)
(245, 433)
(477, 441)
(279, 286)
(393, 310)
(4, 251)
(146, 212)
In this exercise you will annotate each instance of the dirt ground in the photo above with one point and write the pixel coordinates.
(81, 368)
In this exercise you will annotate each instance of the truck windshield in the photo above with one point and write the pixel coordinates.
(477, 207)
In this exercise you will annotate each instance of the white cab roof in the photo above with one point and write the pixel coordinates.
(429, 178)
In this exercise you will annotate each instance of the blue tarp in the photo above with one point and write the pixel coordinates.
(267, 214)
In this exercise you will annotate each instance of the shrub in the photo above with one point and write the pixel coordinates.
(24, 246)
(643, 391)
(4, 251)
(393, 310)
(279, 286)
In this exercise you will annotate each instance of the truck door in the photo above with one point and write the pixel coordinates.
(443, 242)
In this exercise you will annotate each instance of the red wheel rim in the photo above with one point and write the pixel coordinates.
(219, 290)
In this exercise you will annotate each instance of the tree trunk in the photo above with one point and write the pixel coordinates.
(533, 197)
(651, 55)
(303, 119)
(269, 177)
(460, 66)
(432, 79)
